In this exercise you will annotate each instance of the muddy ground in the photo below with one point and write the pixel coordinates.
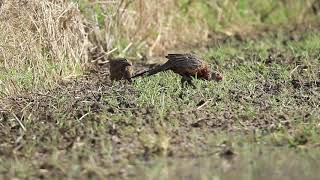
(88, 127)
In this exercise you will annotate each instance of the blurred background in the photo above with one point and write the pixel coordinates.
(153, 27)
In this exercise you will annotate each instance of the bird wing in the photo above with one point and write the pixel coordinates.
(183, 61)
(178, 61)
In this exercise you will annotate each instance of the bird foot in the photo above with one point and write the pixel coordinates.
(187, 81)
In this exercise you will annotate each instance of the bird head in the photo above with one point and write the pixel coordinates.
(216, 76)
(127, 63)
(120, 62)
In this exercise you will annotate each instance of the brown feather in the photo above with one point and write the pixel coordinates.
(187, 65)
(120, 69)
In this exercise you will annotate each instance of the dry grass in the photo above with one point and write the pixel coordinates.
(40, 42)
(44, 41)
(88, 128)
(151, 27)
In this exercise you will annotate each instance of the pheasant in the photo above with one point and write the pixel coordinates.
(187, 65)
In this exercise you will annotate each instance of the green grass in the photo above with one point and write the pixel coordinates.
(152, 129)
(85, 127)
(28, 69)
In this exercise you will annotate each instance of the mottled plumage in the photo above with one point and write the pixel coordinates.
(186, 65)
(120, 69)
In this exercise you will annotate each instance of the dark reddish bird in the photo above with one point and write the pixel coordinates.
(120, 69)
(186, 65)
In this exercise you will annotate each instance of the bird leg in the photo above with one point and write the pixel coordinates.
(127, 80)
(188, 80)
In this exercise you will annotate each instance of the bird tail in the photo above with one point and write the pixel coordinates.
(139, 74)
(151, 71)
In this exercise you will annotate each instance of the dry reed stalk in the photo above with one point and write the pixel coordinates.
(41, 38)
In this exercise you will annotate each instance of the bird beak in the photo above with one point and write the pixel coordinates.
(128, 64)
(216, 76)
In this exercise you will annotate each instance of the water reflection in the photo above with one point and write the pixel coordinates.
(249, 164)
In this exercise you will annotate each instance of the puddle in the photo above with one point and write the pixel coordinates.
(274, 164)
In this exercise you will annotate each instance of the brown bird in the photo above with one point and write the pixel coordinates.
(186, 65)
(120, 69)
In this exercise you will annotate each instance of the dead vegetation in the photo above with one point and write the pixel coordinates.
(44, 41)
(57, 123)
(41, 41)
(149, 28)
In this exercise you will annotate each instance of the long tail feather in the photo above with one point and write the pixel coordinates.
(151, 71)
(139, 74)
